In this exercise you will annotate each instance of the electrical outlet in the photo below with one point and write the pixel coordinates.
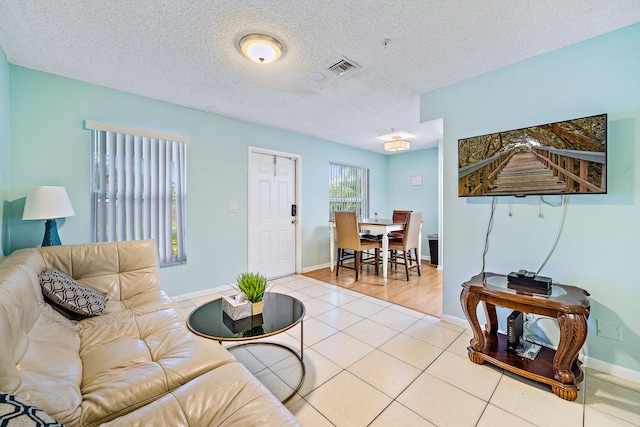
(232, 208)
(609, 330)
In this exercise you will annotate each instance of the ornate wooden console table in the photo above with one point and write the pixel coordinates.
(568, 304)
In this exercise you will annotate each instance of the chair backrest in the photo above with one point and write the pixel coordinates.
(412, 231)
(400, 216)
(347, 230)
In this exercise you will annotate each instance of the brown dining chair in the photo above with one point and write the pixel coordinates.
(349, 240)
(407, 244)
(398, 216)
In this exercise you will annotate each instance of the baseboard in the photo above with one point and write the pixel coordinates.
(456, 321)
(611, 369)
(201, 293)
(315, 267)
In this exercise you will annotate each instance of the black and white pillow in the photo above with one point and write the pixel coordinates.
(66, 292)
(18, 412)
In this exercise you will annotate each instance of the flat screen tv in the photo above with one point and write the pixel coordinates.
(568, 157)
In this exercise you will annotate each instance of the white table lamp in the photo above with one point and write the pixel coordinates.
(48, 203)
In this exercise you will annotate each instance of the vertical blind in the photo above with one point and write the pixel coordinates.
(348, 190)
(139, 189)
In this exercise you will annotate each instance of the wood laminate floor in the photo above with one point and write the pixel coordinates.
(422, 293)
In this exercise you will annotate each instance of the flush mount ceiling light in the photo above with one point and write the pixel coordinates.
(397, 145)
(261, 48)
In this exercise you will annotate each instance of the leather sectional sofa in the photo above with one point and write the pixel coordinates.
(137, 364)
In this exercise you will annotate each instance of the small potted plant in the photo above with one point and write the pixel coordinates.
(248, 301)
(253, 285)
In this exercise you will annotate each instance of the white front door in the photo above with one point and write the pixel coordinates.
(272, 223)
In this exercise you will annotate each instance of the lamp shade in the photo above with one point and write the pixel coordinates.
(47, 202)
(397, 145)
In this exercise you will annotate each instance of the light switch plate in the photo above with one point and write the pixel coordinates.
(232, 208)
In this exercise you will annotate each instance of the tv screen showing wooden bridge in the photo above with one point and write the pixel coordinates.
(568, 157)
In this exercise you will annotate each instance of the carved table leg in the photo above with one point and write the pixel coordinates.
(492, 318)
(573, 334)
(469, 302)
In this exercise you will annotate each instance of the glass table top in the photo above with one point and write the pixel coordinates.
(280, 312)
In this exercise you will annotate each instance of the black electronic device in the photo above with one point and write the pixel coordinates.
(514, 329)
(529, 289)
(527, 274)
(528, 281)
(512, 162)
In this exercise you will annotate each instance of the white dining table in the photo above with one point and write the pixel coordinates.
(382, 226)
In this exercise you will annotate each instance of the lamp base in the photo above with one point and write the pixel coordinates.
(51, 237)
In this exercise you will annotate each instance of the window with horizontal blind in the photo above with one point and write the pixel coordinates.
(348, 190)
(138, 187)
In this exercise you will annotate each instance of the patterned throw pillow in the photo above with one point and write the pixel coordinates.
(18, 412)
(66, 292)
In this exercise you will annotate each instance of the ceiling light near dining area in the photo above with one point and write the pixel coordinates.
(261, 48)
(396, 141)
(397, 145)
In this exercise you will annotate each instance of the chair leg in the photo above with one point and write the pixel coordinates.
(356, 256)
(417, 260)
(340, 253)
(406, 263)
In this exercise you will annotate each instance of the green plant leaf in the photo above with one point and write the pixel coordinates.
(253, 285)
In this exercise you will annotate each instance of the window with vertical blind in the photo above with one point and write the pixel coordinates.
(138, 187)
(348, 190)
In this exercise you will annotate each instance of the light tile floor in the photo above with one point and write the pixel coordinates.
(372, 363)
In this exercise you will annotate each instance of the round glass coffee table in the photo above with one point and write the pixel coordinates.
(280, 313)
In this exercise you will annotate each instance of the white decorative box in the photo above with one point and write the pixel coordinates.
(236, 309)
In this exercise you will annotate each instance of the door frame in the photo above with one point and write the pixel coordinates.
(298, 199)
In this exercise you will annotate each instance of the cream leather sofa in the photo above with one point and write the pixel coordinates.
(138, 364)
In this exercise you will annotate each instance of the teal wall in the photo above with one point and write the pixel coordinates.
(599, 246)
(49, 146)
(423, 198)
(5, 149)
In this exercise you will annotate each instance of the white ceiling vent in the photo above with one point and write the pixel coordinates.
(342, 65)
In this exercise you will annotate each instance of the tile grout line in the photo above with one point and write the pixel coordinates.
(397, 333)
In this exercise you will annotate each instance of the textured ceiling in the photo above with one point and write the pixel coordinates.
(185, 52)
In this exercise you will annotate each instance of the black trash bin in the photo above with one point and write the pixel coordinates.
(433, 248)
